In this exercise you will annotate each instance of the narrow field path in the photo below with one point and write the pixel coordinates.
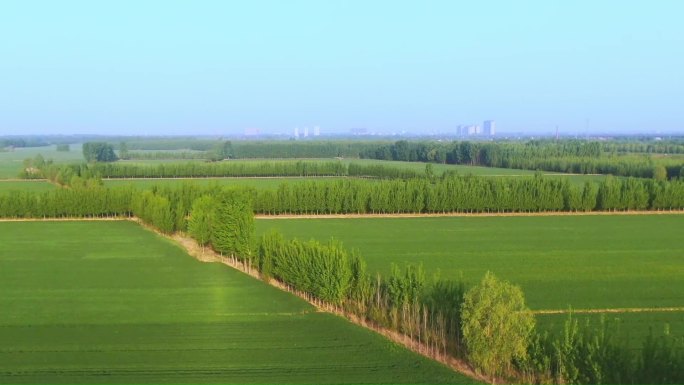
(613, 310)
(434, 215)
(228, 177)
(22, 180)
(66, 219)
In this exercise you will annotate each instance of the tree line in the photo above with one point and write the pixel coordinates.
(424, 193)
(283, 168)
(468, 194)
(257, 149)
(567, 156)
(644, 146)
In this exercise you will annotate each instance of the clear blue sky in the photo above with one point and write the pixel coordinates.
(173, 67)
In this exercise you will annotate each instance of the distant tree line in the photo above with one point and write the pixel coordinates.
(163, 155)
(423, 193)
(275, 168)
(565, 156)
(302, 149)
(257, 149)
(19, 142)
(643, 146)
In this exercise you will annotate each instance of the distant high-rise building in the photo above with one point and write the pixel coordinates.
(459, 130)
(470, 130)
(317, 131)
(489, 127)
(306, 131)
(296, 132)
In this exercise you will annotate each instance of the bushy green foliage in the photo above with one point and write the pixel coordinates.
(662, 359)
(154, 209)
(324, 270)
(232, 230)
(497, 325)
(585, 353)
(202, 219)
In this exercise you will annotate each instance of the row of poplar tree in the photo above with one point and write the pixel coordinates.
(447, 194)
(453, 193)
(300, 168)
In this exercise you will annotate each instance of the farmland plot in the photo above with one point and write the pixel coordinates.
(109, 302)
(587, 262)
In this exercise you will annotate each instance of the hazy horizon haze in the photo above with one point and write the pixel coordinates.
(219, 67)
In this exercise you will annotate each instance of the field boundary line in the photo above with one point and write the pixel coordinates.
(439, 215)
(67, 219)
(612, 310)
(229, 177)
(398, 215)
(22, 180)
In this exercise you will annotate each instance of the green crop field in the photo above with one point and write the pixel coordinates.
(257, 183)
(581, 262)
(109, 302)
(35, 186)
(559, 261)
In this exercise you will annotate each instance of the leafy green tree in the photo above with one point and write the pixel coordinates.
(497, 325)
(234, 232)
(202, 219)
(659, 172)
(99, 152)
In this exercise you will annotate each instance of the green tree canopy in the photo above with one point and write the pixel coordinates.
(202, 218)
(99, 152)
(497, 326)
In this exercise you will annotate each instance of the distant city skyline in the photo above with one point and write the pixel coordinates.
(263, 67)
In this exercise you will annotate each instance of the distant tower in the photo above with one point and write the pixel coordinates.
(317, 131)
(472, 129)
(489, 127)
(306, 131)
(296, 132)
